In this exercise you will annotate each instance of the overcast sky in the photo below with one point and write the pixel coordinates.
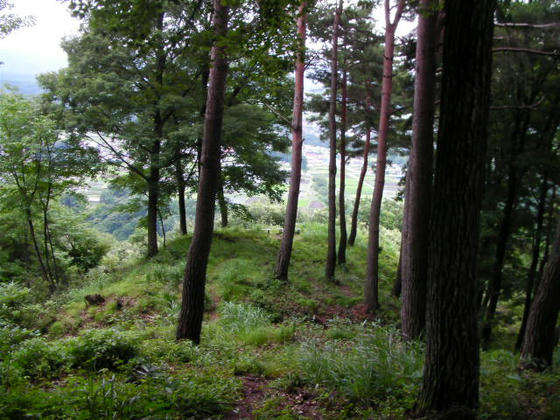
(37, 49)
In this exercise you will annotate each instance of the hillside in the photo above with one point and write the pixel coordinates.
(300, 350)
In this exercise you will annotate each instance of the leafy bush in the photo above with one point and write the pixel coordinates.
(86, 247)
(39, 358)
(13, 297)
(107, 348)
(11, 335)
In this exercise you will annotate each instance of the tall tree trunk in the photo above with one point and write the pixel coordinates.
(155, 153)
(222, 203)
(44, 272)
(285, 251)
(372, 273)
(397, 284)
(341, 192)
(192, 306)
(451, 369)
(418, 189)
(162, 226)
(539, 341)
(547, 240)
(331, 241)
(514, 182)
(363, 171)
(530, 285)
(153, 198)
(180, 180)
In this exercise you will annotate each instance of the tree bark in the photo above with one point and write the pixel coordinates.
(153, 196)
(539, 341)
(418, 188)
(155, 154)
(45, 274)
(331, 241)
(372, 273)
(341, 192)
(162, 227)
(222, 204)
(514, 182)
(397, 284)
(530, 285)
(285, 251)
(363, 171)
(192, 306)
(451, 369)
(180, 180)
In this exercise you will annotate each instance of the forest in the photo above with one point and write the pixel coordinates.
(291, 209)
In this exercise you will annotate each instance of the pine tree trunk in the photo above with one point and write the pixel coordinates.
(397, 284)
(451, 369)
(363, 171)
(153, 197)
(285, 251)
(530, 285)
(418, 189)
(341, 192)
(162, 227)
(155, 152)
(331, 241)
(539, 341)
(495, 286)
(179, 178)
(222, 203)
(372, 273)
(192, 306)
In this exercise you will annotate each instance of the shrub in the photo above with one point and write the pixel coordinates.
(39, 358)
(11, 335)
(107, 348)
(13, 297)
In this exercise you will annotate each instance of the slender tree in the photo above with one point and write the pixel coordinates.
(341, 192)
(192, 306)
(414, 251)
(363, 170)
(451, 370)
(285, 251)
(539, 341)
(530, 285)
(372, 274)
(331, 241)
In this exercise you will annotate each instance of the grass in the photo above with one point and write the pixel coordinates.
(120, 359)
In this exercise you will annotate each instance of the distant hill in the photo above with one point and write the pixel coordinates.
(25, 83)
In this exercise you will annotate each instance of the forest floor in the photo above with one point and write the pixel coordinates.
(305, 349)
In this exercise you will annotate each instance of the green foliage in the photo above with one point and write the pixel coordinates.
(9, 22)
(239, 317)
(12, 297)
(378, 365)
(97, 349)
(38, 358)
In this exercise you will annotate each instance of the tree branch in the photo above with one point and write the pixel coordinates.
(552, 25)
(526, 50)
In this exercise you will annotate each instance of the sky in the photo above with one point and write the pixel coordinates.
(33, 50)
(36, 49)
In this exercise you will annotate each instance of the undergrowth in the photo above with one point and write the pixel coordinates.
(65, 358)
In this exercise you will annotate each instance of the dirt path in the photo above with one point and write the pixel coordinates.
(254, 392)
